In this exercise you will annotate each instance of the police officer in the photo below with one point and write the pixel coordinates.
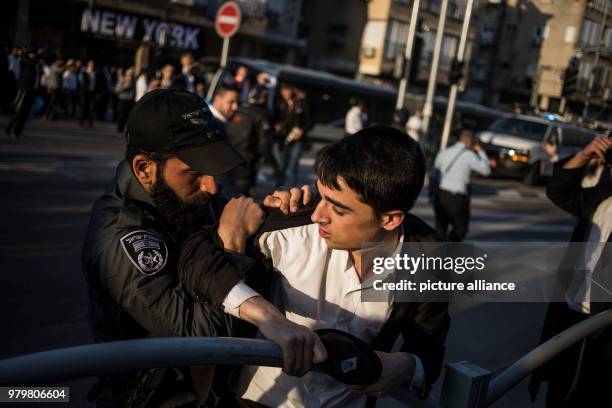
(164, 192)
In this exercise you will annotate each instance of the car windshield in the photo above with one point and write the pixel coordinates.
(520, 127)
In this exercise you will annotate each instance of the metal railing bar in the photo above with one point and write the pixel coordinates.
(511, 376)
(52, 366)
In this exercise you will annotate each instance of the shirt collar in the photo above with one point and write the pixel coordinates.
(217, 114)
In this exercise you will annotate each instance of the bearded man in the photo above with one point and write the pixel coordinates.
(164, 191)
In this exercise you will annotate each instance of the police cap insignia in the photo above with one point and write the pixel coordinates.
(147, 251)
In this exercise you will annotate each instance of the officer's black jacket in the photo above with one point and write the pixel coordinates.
(130, 298)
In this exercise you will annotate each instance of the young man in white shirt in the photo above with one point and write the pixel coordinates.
(367, 184)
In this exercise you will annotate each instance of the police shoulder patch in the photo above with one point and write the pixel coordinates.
(147, 251)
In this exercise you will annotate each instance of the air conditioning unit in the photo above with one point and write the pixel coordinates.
(368, 52)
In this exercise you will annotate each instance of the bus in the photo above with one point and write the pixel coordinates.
(329, 97)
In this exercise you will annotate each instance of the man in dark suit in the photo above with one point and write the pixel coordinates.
(88, 89)
(27, 89)
(580, 376)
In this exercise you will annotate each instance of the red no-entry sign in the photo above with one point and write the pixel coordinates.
(228, 19)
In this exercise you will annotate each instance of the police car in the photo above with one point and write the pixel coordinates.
(516, 144)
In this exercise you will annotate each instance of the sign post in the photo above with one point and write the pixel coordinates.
(227, 23)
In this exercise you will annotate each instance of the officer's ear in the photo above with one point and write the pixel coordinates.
(145, 170)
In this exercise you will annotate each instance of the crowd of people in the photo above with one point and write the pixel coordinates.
(35, 84)
(71, 89)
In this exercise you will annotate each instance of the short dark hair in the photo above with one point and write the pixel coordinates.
(158, 157)
(382, 164)
(223, 89)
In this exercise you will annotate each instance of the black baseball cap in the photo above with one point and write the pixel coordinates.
(180, 123)
(349, 359)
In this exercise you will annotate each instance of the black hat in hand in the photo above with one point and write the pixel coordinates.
(349, 359)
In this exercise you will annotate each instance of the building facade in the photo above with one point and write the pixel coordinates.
(111, 31)
(525, 47)
(333, 35)
(386, 32)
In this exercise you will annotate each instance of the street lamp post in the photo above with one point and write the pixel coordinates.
(401, 93)
(431, 86)
(452, 98)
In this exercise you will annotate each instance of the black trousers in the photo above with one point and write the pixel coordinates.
(124, 107)
(23, 106)
(56, 99)
(88, 108)
(452, 210)
(580, 376)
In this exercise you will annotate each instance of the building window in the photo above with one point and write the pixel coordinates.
(449, 51)
(395, 41)
(599, 5)
(540, 33)
(570, 34)
(608, 39)
(373, 38)
(590, 35)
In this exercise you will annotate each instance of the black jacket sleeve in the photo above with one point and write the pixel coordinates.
(564, 189)
(158, 302)
(208, 271)
(425, 337)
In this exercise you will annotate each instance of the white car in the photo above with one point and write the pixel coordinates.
(516, 144)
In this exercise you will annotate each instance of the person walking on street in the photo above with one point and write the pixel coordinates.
(455, 165)
(30, 73)
(54, 85)
(105, 89)
(167, 76)
(356, 118)
(185, 80)
(414, 126)
(88, 88)
(290, 126)
(126, 92)
(70, 88)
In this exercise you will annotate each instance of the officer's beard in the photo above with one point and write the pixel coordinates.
(185, 216)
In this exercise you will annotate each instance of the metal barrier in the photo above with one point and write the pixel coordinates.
(92, 360)
(465, 385)
(470, 386)
(543, 353)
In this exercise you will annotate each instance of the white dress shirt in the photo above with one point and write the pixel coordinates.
(457, 178)
(414, 126)
(354, 120)
(319, 288)
(217, 114)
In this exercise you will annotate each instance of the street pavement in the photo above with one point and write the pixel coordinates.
(50, 179)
